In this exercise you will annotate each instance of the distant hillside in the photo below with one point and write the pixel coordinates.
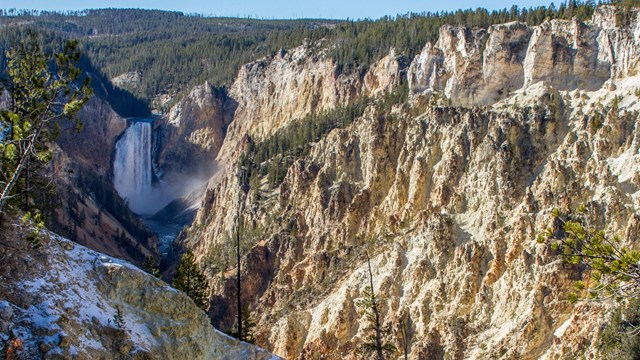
(171, 51)
(162, 52)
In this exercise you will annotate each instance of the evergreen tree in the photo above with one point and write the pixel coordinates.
(614, 269)
(118, 319)
(613, 272)
(404, 331)
(375, 342)
(248, 325)
(619, 339)
(41, 95)
(191, 280)
(151, 267)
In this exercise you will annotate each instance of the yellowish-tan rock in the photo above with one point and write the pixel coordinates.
(476, 68)
(447, 200)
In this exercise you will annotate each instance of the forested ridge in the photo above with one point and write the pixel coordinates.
(173, 51)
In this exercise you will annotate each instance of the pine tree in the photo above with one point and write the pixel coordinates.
(41, 96)
(375, 342)
(191, 280)
(151, 267)
(118, 319)
(248, 325)
(613, 269)
(405, 338)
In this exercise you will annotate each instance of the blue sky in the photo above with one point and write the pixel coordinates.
(339, 9)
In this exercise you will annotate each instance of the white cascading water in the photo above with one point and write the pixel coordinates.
(132, 167)
(133, 171)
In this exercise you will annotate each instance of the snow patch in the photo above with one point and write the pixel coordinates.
(69, 290)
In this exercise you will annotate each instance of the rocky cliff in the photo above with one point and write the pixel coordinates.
(195, 128)
(273, 93)
(478, 67)
(446, 192)
(62, 301)
(94, 144)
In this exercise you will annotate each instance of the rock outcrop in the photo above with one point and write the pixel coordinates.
(93, 146)
(480, 68)
(384, 76)
(273, 93)
(448, 201)
(195, 129)
(63, 300)
(129, 80)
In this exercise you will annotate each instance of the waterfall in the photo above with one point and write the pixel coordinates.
(132, 167)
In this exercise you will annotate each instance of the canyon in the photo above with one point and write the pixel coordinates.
(446, 192)
(438, 171)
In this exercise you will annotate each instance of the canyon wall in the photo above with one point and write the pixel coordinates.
(478, 67)
(446, 192)
(195, 128)
(94, 144)
(273, 93)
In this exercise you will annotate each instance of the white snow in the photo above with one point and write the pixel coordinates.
(69, 287)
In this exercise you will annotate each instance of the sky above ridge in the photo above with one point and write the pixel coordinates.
(335, 9)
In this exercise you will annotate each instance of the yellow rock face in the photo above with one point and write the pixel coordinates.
(448, 201)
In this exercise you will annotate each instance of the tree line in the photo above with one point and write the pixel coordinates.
(172, 51)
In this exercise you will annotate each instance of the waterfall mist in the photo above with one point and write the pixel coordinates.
(133, 173)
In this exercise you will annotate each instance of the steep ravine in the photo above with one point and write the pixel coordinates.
(158, 166)
(447, 192)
